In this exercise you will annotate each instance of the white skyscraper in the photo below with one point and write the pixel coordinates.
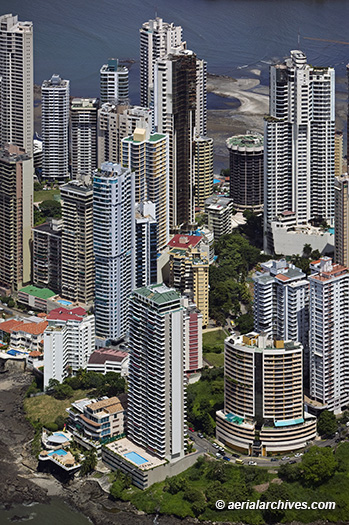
(16, 83)
(329, 335)
(299, 145)
(156, 402)
(157, 39)
(55, 128)
(114, 82)
(113, 240)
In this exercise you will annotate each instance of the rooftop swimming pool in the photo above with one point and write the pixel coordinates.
(59, 452)
(64, 303)
(135, 458)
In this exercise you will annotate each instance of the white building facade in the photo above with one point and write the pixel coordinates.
(113, 241)
(114, 82)
(329, 335)
(299, 139)
(55, 128)
(157, 39)
(69, 340)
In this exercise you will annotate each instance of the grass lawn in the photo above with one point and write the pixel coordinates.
(214, 338)
(214, 359)
(45, 195)
(47, 408)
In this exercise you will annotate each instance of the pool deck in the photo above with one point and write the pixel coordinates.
(125, 446)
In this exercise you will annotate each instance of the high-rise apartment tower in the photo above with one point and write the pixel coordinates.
(17, 84)
(299, 144)
(113, 241)
(55, 128)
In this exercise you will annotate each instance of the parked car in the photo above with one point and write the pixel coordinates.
(274, 459)
(298, 455)
(292, 462)
(200, 435)
(214, 445)
(218, 455)
(253, 463)
(285, 458)
(191, 429)
(226, 458)
(235, 455)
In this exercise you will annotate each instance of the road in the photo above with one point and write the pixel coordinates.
(204, 444)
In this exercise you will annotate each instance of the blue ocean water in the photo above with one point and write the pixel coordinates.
(75, 37)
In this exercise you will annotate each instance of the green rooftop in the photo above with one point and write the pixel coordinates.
(254, 140)
(159, 293)
(41, 293)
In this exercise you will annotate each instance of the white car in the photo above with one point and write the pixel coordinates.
(285, 458)
(215, 445)
(218, 455)
(254, 463)
(298, 455)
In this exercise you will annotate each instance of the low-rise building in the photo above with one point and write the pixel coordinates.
(105, 360)
(24, 335)
(93, 421)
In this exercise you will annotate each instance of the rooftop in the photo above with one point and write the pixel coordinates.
(159, 293)
(102, 355)
(22, 326)
(41, 293)
(184, 241)
(109, 405)
(125, 447)
(64, 314)
(248, 141)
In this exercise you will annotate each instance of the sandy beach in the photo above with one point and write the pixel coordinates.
(248, 116)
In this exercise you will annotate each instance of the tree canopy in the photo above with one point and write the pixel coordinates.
(326, 424)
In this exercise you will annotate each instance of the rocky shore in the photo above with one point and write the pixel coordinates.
(21, 482)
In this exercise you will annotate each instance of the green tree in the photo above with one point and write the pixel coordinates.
(89, 463)
(326, 424)
(62, 391)
(244, 323)
(11, 303)
(51, 208)
(74, 382)
(52, 384)
(318, 465)
(307, 249)
(60, 422)
(274, 493)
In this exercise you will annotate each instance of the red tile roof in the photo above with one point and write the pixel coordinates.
(184, 241)
(35, 353)
(100, 356)
(63, 314)
(32, 328)
(21, 326)
(282, 277)
(10, 325)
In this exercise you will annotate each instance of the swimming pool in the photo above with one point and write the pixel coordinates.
(135, 458)
(216, 181)
(59, 452)
(64, 303)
